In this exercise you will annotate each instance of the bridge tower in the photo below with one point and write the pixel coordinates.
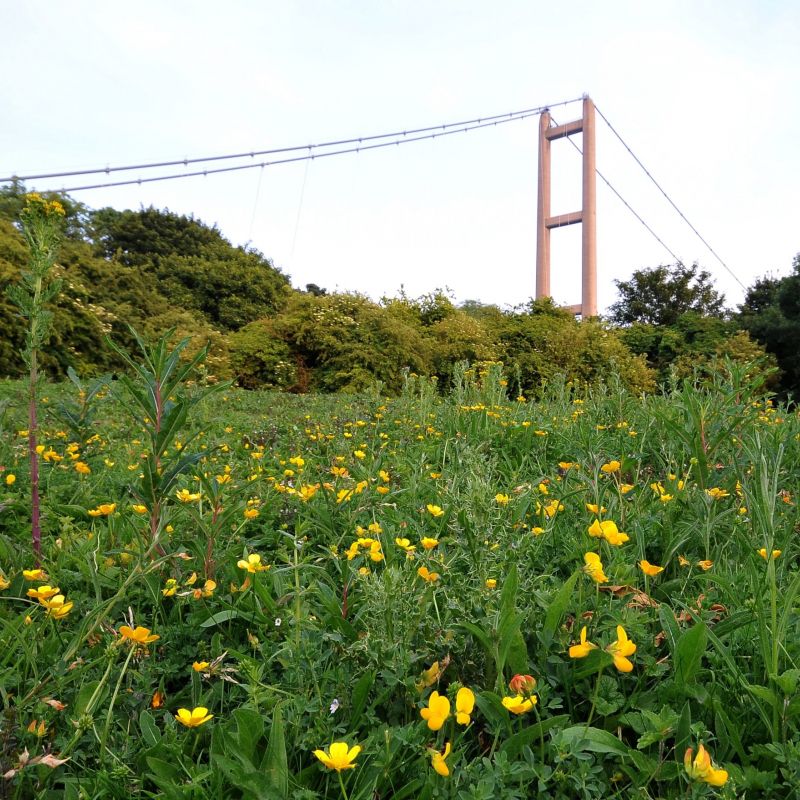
(587, 216)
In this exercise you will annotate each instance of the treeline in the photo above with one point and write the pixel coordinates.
(156, 270)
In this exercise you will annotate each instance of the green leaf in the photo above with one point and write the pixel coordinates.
(219, 617)
(276, 763)
(555, 611)
(594, 740)
(359, 697)
(150, 732)
(514, 744)
(689, 653)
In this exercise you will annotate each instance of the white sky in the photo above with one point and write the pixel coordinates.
(705, 93)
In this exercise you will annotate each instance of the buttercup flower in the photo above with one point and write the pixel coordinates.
(437, 712)
(438, 761)
(594, 568)
(339, 756)
(103, 510)
(194, 718)
(621, 649)
(252, 563)
(584, 648)
(701, 769)
(43, 592)
(465, 703)
(650, 569)
(519, 704)
(139, 635)
(427, 575)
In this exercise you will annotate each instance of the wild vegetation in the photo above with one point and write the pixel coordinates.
(460, 593)
(155, 270)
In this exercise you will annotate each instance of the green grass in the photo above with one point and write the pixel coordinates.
(322, 647)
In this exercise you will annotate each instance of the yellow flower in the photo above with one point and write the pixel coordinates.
(199, 666)
(57, 607)
(185, 496)
(252, 563)
(103, 510)
(194, 718)
(491, 583)
(43, 592)
(594, 568)
(82, 468)
(139, 508)
(611, 466)
(519, 704)
(139, 636)
(621, 649)
(429, 676)
(34, 574)
(501, 499)
(170, 588)
(405, 544)
(625, 487)
(207, 590)
(427, 575)
(701, 769)
(650, 569)
(584, 648)
(465, 703)
(429, 543)
(4, 582)
(438, 761)
(251, 513)
(705, 565)
(437, 712)
(715, 493)
(434, 511)
(595, 509)
(10, 479)
(339, 756)
(762, 552)
(384, 475)
(359, 454)
(608, 530)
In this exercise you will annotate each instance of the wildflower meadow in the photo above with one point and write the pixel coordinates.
(213, 593)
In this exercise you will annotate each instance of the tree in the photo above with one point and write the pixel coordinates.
(771, 315)
(660, 295)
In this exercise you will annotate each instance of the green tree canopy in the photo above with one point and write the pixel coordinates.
(659, 295)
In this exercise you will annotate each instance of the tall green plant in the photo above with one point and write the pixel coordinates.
(42, 224)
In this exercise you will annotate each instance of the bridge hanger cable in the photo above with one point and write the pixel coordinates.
(478, 122)
(669, 199)
(626, 203)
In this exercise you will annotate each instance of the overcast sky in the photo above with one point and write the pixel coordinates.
(705, 93)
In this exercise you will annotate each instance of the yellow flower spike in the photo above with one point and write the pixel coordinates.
(438, 761)
(519, 704)
(584, 648)
(702, 769)
(437, 711)
(139, 635)
(339, 756)
(465, 703)
(594, 568)
(651, 570)
(621, 649)
(194, 718)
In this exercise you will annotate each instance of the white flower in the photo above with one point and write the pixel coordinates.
(277, 622)
(335, 705)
